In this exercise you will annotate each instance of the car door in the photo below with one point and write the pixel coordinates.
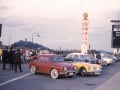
(40, 64)
(47, 65)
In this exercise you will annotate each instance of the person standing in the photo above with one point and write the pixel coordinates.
(98, 56)
(14, 50)
(93, 54)
(4, 57)
(17, 60)
(115, 55)
(10, 55)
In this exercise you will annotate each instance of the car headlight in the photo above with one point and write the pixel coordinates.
(65, 68)
(75, 68)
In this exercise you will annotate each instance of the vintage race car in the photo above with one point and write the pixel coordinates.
(87, 57)
(84, 68)
(52, 64)
(108, 59)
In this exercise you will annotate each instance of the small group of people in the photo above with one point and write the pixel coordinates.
(97, 55)
(12, 57)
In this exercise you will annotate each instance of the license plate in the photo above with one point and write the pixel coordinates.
(70, 73)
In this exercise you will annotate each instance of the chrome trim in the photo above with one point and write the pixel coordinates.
(64, 73)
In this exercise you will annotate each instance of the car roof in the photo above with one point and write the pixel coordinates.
(78, 54)
(49, 55)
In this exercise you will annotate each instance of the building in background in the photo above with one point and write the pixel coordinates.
(84, 40)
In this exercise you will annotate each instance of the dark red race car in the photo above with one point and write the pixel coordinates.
(52, 64)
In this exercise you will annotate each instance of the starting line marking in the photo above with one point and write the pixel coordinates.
(1, 84)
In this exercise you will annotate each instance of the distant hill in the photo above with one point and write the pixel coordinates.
(102, 51)
(28, 44)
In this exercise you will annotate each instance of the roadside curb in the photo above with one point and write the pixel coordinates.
(112, 83)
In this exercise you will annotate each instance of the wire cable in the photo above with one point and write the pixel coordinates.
(78, 10)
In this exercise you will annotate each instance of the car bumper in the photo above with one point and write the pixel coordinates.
(95, 72)
(68, 72)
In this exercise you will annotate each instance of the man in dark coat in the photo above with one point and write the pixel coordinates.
(10, 55)
(93, 54)
(4, 57)
(14, 50)
(17, 60)
(98, 56)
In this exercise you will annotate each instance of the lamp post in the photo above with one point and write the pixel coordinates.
(9, 41)
(36, 35)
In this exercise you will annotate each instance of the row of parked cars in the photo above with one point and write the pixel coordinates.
(72, 64)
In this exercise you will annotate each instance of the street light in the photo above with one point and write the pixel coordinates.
(36, 35)
(9, 41)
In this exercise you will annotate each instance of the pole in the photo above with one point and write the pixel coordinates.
(9, 41)
(37, 35)
(118, 15)
(32, 37)
(89, 48)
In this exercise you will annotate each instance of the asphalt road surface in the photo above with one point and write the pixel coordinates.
(9, 80)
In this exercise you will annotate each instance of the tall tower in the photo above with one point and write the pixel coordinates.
(84, 40)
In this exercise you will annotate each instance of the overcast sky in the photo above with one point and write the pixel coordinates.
(59, 22)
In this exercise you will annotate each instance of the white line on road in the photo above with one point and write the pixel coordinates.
(14, 79)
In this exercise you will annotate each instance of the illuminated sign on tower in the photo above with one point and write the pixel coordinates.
(84, 42)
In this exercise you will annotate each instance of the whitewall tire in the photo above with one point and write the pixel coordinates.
(54, 74)
(33, 69)
(105, 63)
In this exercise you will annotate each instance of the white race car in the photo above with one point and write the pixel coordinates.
(107, 60)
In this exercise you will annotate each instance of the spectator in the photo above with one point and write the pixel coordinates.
(115, 54)
(22, 58)
(4, 57)
(10, 55)
(98, 56)
(93, 54)
(14, 50)
(17, 60)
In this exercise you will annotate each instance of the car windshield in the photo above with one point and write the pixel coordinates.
(79, 60)
(106, 56)
(57, 59)
(88, 56)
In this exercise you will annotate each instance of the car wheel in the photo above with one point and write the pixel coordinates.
(83, 72)
(33, 70)
(54, 74)
(105, 63)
